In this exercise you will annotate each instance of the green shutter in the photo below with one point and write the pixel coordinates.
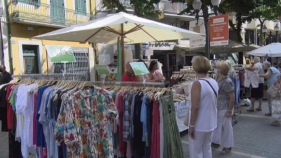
(80, 6)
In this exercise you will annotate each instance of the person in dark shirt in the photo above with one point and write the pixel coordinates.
(6, 76)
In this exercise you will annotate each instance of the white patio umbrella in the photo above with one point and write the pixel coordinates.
(132, 28)
(230, 48)
(271, 50)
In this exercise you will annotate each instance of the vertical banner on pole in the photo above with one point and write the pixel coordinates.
(119, 61)
(219, 30)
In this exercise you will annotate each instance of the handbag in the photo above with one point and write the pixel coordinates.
(273, 92)
(186, 119)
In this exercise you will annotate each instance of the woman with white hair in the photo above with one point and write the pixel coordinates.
(223, 134)
(271, 74)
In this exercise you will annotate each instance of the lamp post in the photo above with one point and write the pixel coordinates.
(197, 5)
(276, 29)
(264, 30)
(1, 36)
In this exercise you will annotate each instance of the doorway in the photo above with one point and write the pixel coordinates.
(30, 59)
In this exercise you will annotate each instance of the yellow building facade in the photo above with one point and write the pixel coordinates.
(29, 18)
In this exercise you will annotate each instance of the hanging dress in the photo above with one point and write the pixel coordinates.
(172, 140)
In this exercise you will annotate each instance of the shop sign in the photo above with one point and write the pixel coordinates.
(219, 30)
(60, 54)
(148, 52)
(162, 45)
(139, 68)
(196, 28)
(197, 42)
(102, 69)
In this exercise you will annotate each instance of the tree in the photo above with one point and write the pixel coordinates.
(265, 10)
(142, 8)
(241, 8)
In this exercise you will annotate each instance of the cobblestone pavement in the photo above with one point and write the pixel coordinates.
(254, 137)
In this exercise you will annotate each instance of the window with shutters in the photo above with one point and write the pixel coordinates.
(80, 7)
(31, 2)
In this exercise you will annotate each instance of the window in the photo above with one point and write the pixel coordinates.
(31, 2)
(80, 66)
(250, 37)
(80, 7)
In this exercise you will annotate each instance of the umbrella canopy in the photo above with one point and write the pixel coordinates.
(271, 50)
(230, 48)
(106, 30)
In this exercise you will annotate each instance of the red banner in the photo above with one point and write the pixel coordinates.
(219, 30)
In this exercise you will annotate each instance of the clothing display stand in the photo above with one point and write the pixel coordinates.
(55, 76)
(152, 110)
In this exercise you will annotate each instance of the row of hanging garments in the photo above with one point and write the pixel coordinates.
(147, 125)
(77, 119)
(60, 118)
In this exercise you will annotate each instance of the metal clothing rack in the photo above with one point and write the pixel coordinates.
(55, 76)
(156, 84)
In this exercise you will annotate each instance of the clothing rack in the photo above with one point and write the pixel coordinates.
(58, 76)
(156, 84)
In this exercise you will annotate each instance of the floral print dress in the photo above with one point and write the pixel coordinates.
(85, 123)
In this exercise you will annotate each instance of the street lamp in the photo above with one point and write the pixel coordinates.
(264, 30)
(197, 5)
(276, 29)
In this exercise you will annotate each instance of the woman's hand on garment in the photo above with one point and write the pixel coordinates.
(228, 113)
(191, 132)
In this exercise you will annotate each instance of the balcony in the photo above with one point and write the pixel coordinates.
(46, 14)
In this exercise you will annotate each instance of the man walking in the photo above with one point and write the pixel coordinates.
(5, 76)
(257, 93)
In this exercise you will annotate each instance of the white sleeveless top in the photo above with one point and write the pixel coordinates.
(207, 115)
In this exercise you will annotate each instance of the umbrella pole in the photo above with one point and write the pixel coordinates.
(122, 50)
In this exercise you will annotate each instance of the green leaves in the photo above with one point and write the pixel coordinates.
(143, 8)
(266, 10)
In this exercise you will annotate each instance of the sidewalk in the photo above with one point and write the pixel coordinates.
(254, 137)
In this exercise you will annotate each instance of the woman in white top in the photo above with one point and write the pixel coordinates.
(203, 114)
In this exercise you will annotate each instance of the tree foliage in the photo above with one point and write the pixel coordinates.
(143, 8)
(265, 10)
(241, 8)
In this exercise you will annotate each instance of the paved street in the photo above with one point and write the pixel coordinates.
(253, 137)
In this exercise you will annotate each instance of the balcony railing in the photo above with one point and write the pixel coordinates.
(46, 14)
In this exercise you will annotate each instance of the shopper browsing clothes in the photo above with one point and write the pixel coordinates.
(203, 111)
(129, 76)
(257, 93)
(5, 76)
(154, 74)
(223, 134)
(271, 74)
(276, 102)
